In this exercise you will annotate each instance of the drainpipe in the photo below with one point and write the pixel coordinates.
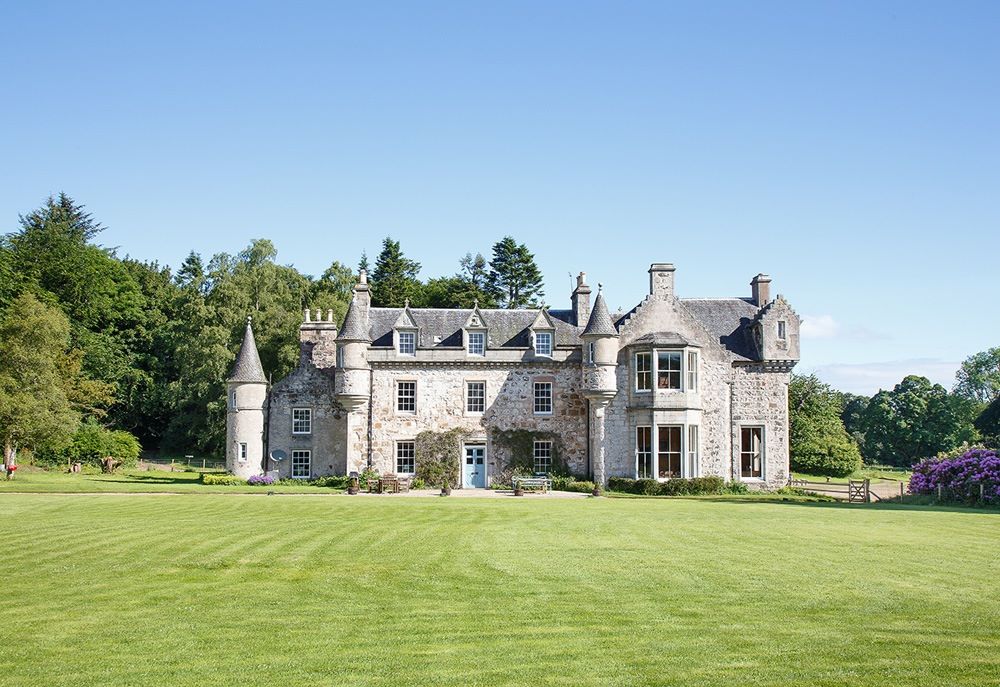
(590, 466)
(267, 427)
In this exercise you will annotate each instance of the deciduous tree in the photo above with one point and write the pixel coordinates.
(819, 443)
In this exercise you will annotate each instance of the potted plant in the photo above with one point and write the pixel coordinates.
(596, 491)
(445, 488)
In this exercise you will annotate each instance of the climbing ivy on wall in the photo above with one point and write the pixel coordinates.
(519, 445)
(437, 456)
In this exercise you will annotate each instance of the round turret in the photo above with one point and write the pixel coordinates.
(600, 358)
(246, 399)
(353, 378)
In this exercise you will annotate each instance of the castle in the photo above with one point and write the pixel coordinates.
(676, 387)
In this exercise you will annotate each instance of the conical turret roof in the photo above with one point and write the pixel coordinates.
(355, 328)
(600, 323)
(247, 367)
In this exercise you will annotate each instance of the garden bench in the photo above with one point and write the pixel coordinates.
(542, 484)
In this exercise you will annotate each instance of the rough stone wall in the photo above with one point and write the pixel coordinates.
(441, 406)
(308, 387)
(761, 398)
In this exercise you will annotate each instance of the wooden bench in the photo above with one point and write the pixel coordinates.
(542, 484)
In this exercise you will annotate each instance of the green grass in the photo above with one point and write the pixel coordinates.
(136, 481)
(288, 590)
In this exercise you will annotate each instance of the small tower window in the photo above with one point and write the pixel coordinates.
(232, 401)
(782, 333)
(590, 351)
(241, 452)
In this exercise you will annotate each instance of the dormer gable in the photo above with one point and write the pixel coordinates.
(543, 334)
(475, 333)
(405, 332)
(775, 332)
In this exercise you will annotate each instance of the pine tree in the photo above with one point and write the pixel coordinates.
(514, 279)
(395, 277)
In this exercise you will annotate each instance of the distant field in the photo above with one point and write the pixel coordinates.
(235, 590)
(139, 481)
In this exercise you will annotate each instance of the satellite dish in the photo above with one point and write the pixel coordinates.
(277, 455)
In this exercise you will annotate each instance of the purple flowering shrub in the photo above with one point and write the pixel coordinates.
(260, 480)
(960, 477)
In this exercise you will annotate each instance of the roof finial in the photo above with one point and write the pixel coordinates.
(406, 303)
(249, 319)
(599, 287)
(475, 303)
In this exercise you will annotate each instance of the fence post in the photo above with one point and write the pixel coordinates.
(900, 492)
(939, 492)
(202, 463)
(868, 493)
(980, 491)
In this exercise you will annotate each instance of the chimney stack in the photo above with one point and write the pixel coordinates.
(760, 290)
(661, 280)
(581, 300)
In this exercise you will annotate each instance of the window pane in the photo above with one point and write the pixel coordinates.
(477, 343)
(751, 452)
(644, 452)
(301, 420)
(692, 448)
(692, 371)
(543, 457)
(643, 371)
(475, 397)
(300, 464)
(405, 463)
(781, 329)
(407, 343)
(668, 450)
(406, 397)
(668, 370)
(543, 343)
(543, 397)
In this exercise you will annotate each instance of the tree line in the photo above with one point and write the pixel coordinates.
(92, 342)
(95, 348)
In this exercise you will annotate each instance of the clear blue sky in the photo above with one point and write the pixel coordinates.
(848, 149)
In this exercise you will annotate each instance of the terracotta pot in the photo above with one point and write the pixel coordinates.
(518, 491)
(445, 491)
(596, 491)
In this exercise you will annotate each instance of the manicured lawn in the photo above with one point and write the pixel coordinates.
(39, 481)
(288, 590)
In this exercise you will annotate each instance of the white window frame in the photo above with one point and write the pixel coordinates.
(680, 369)
(650, 371)
(479, 349)
(400, 397)
(678, 451)
(535, 398)
(299, 421)
(762, 453)
(232, 401)
(296, 467)
(649, 453)
(692, 451)
(410, 348)
(241, 452)
(541, 450)
(691, 372)
(406, 450)
(545, 351)
(469, 397)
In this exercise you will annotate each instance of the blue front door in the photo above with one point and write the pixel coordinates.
(474, 467)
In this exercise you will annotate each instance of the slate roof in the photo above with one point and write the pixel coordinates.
(507, 328)
(599, 323)
(247, 367)
(728, 320)
(354, 329)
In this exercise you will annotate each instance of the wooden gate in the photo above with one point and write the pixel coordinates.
(858, 491)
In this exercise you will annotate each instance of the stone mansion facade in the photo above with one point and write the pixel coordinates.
(676, 387)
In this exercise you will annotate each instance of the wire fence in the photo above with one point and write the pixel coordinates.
(187, 462)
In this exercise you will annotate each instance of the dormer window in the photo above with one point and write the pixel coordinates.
(407, 343)
(477, 343)
(543, 343)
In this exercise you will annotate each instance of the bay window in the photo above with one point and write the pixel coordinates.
(668, 452)
(644, 452)
(668, 370)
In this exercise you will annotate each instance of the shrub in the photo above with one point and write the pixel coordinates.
(960, 478)
(694, 486)
(92, 443)
(418, 483)
(736, 487)
(331, 481)
(222, 478)
(260, 481)
(436, 454)
(624, 484)
(581, 487)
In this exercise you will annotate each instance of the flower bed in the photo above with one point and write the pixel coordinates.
(973, 477)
